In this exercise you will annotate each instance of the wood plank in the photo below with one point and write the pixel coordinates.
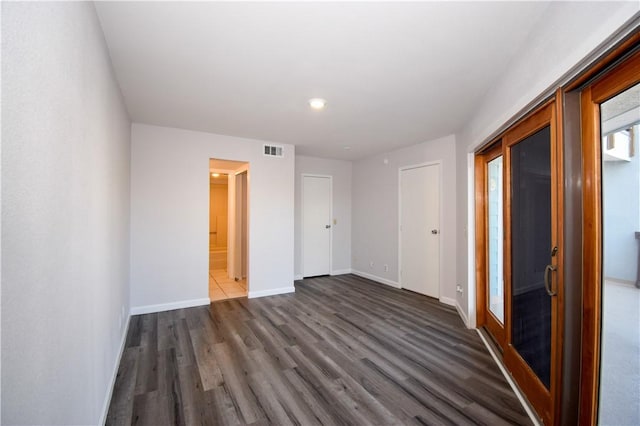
(121, 407)
(340, 351)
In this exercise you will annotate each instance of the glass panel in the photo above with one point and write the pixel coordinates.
(496, 284)
(531, 251)
(620, 352)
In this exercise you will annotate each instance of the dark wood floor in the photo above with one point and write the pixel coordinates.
(341, 350)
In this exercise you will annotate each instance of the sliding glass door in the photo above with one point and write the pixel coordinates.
(519, 216)
(610, 108)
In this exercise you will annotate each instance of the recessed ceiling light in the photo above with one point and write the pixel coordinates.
(317, 103)
(215, 174)
(346, 148)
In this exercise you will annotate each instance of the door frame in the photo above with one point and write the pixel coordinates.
(246, 194)
(229, 173)
(302, 176)
(440, 216)
(484, 315)
(547, 113)
(537, 394)
(246, 167)
(231, 255)
(615, 81)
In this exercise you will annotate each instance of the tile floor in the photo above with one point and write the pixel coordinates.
(222, 287)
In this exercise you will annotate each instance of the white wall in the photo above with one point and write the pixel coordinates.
(65, 215)
(341, 172)
(565, 35)
(375, 211)
(170, 215)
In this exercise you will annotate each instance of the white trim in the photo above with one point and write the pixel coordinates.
(516, 389)
(341, 271)
(271, 292)
(107, 400)
(376, 278)
(440, 217)
(330, 177)
(462, 315)
(471, 242)
(149, 309)
(447, 301)
(298, 277)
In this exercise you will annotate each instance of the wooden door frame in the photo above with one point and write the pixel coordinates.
(546, 402)
(617, 80)
(549, 113)
(484, 317)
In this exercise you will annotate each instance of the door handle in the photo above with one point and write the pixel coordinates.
(327, 226)
(547, 286)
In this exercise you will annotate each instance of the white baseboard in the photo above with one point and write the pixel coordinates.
(376, 278)
(464, 317)
(448, 301)
(149, 309)
(341, 271)
(107, 400)
(298, 277)
(505, 373)
(271, 292)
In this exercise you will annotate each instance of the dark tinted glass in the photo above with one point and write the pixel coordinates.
(531, 250)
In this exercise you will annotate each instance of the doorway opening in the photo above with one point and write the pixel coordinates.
(228, 229)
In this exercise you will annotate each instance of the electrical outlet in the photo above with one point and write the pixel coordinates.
(371, 264)
(386, 268)
(459, 289)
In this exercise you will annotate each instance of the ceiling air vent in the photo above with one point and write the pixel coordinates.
(273, 150)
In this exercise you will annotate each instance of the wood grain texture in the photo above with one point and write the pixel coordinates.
(484, 316)
(622, 48)
(609, 85)
(558, 305)
(481, 240)
(339, 351)
(543, 400)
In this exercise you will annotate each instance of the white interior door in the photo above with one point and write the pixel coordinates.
(420, 229)
(316, 225)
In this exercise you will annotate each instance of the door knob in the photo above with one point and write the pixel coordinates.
(327, 226)
(434, 231)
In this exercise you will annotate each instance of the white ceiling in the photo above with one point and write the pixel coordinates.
(393, 74)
